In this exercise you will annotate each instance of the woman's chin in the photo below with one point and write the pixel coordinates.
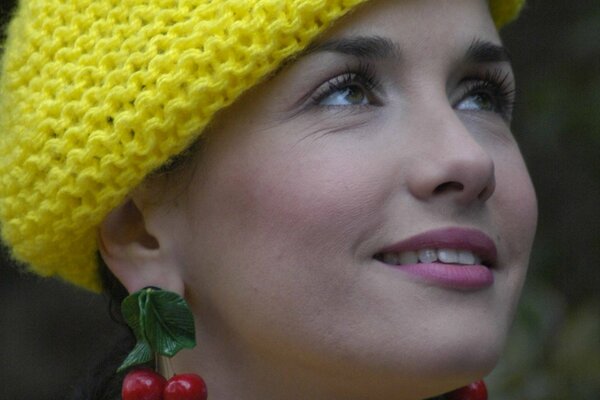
(445, 365)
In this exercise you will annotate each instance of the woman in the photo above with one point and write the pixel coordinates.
(352, 218)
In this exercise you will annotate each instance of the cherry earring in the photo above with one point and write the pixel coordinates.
(143, 384)
(162, 324)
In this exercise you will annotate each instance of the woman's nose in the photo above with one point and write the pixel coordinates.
(452, 165)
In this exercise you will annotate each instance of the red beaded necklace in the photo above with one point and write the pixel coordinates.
(145, 384)
(475, 391)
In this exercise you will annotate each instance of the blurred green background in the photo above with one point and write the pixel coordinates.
(50, 332)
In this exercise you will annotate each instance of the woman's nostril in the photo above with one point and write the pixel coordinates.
(489, 189)
(449, 186)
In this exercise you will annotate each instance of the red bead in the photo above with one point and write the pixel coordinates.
(475, 391)
(143, 384)
(185, 387)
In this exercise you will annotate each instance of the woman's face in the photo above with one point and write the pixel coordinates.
(309, 189)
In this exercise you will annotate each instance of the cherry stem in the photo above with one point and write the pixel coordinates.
(164, 366)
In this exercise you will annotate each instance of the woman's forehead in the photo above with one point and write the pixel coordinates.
(417, 21)
(419, 32)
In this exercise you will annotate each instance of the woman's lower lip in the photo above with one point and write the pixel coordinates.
(453, 276)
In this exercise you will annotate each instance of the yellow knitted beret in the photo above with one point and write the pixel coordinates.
(95, 94)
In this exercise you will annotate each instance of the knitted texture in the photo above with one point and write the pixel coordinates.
(96, 94)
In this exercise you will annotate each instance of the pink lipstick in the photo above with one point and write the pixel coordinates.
(456, 258)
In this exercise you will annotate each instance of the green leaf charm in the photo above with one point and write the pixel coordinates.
(161, 322)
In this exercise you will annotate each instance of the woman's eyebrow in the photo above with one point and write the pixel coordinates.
(378, 47)
(482, 51)
(364, 47)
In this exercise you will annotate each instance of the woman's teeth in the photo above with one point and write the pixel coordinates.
(447, 256)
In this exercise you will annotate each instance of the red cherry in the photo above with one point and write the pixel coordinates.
(185, 387)
(475, 391)
(143, 384)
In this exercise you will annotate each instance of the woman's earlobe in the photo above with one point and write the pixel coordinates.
(133, 254)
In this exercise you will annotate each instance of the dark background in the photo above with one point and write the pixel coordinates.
(50, 332)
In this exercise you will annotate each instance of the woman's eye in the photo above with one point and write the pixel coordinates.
(356, 87)
(494, 93)
(478, 101)
(346, 96)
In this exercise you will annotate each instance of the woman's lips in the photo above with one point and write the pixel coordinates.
(458, 258)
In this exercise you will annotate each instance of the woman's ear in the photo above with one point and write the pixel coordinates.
(137, 256)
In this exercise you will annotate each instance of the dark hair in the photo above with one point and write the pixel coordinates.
(102, 382)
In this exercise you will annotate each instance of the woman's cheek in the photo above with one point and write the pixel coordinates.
(516, 203)
(323, 197)
(514, 207)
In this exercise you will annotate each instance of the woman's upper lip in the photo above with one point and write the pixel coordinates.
(449, 238)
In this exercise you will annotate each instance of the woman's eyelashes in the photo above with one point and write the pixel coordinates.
(493, 92)
(352, 88)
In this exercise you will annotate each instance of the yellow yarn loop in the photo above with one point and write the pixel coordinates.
(95, 94)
